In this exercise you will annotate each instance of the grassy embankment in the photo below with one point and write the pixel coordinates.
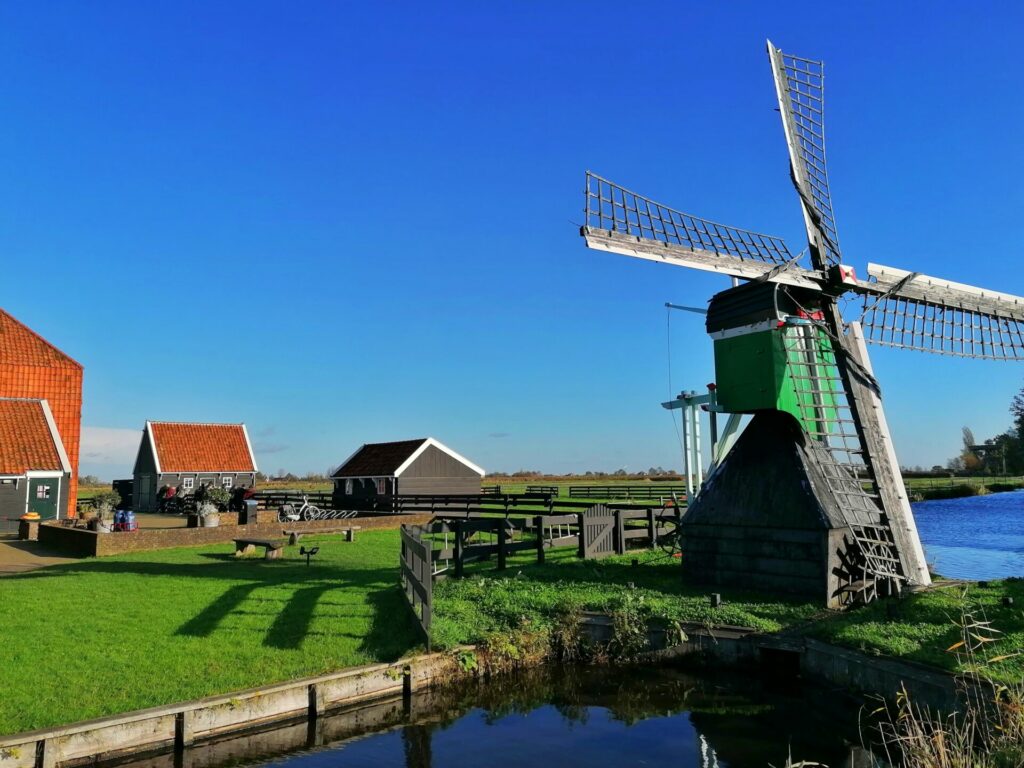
(920, 627)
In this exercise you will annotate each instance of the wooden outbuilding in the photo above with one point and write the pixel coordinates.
(31, 367)
(35, 472)
(188, 455)
(781, 533)
(423, 467)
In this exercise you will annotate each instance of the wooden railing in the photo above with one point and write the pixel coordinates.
(638, 492)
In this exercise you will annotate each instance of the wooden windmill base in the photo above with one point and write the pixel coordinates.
(766, 520)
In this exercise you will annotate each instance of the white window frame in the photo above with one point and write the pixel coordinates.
(188, 483)
(382, 485)
(226, 482)
(348, 487)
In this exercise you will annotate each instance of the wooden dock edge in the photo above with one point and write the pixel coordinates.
(181, 725)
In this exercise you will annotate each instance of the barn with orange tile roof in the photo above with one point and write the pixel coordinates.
(35, 471)
(187, 455)
(31, 367)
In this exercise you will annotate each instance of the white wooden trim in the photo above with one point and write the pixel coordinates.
(346, 461)
(444, 449)
(152, 446)
(58, 443)
(252, 456)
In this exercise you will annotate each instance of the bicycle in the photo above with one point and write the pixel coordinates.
(287, 513)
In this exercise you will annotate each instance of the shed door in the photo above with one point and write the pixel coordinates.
(42, 496)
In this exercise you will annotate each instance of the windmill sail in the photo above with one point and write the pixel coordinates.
(913, 311)
(800, 87)
(624, 222)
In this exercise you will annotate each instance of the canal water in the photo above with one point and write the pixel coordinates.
(584, 717)
(977, 537)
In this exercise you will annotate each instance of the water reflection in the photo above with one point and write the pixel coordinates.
(590, 717)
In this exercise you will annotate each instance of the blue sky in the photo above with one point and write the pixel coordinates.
(345, 222)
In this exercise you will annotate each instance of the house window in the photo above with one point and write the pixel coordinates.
(188, 483)
(382, 486)
(226, 482)
(348, 487)
(42, 491)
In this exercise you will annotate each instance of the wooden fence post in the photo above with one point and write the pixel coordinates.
(582, 537)
(620, 533)
(501, 544)
(538, 522)
(457, 525)
(652, 527)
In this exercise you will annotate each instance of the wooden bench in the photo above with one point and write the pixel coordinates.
(348, 530)
(273, 549)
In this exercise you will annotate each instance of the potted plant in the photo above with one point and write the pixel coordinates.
(209, 515)
(103, 505)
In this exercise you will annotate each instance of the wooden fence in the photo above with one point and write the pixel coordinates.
(651, 491)
(417, 575)
(451, 541)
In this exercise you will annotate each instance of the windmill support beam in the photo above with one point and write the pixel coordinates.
(887, 468)
(670, 253)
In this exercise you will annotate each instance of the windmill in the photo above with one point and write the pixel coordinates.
(809, 499)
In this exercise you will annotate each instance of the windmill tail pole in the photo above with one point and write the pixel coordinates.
(904, 527)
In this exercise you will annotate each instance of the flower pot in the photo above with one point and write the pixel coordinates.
(100, 526)
(209, 521)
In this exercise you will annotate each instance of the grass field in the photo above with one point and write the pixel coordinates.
(110, 635)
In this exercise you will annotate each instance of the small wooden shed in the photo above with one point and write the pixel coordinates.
(423, 467)
(186, 455)
(35, 472)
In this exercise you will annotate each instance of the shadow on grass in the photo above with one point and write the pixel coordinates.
(391, 633)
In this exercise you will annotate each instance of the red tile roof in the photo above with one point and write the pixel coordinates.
(26, 442)
(182, 447)
(20, 345)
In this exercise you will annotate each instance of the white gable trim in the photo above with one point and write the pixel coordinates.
(444, 449)
(55, 436)
(346, 461)
(252, 456)
(152, 446)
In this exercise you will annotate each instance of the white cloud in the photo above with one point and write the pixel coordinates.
(109, 445)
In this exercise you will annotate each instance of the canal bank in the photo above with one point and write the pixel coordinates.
(375, 696)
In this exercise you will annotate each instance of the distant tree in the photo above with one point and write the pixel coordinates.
(88, 480)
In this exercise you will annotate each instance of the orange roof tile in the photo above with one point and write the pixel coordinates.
(182, 447)
(26, 442)
(20, 345)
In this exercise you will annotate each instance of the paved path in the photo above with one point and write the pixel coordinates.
(20, 556)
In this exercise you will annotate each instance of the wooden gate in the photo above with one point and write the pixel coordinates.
(598, 532)
(417, 575)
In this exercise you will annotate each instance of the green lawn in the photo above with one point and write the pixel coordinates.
(110, 635)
